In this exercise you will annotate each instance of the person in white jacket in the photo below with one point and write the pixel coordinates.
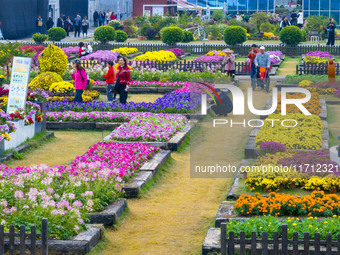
(300, 19)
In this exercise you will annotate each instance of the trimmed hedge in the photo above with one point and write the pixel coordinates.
(188, 36)
(56, 34)
(235, 35)
(121, 36)
(291, 36)
(104, 34)
(172, 35)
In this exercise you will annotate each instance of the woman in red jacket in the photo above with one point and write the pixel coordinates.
(124, 77)
(80, 80)
(110, 81)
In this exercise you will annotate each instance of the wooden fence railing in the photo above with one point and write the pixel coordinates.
(19, 243)
(316, 69)
(277, 245)
(203, 48)
(241, 67)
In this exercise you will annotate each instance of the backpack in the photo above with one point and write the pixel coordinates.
(40, 23)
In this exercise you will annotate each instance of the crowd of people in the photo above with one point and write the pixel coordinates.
(101, 18)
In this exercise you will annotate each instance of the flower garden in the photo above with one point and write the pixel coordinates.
(137, 139)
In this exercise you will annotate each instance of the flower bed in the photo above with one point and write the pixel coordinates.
(101, 56)
(323, 88)
(65, 195)
(313, 105)
(91, 116)
(272, 224)
(316, 204)
(306, 135)
(71, 50)
(315, 60)
(210, 58)
(158, 56)
(177, 51)
(126, 50)
(169, 103)
(150, 127)
(319, 54)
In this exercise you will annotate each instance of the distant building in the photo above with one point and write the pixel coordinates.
(18, 17)
(328, 8)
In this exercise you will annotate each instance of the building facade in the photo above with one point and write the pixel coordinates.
(150, 7)
(18, 17)
(328, 8)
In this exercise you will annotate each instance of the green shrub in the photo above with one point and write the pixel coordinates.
(188, 36)
(250, 27)
(152, 34)
(304, 35)
(316, 23)
(291, 36)
(40, 38)
(267, 27)
(259, 18)
(121, 36)
(116, 24)
(140, 20)
(143, 29)
(56, 34)
(235, 35)
(104, 34)
(172, 35)
(218, 15)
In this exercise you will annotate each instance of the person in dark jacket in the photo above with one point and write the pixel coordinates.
(77, 25)
(124, 77)
(227, 104)
(331, 32)
(67, 25)
(60, 22)
(284, 23)
(95, 18)
(39, 24)
(294, 18)
(49, 23)
(101, 18)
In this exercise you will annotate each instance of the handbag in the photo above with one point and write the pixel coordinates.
(116, 85)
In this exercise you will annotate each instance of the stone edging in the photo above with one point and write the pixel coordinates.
(173, 144)
(22, 148)
(146, 173)
(81, 125)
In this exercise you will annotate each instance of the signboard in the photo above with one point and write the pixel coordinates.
(19, 80)
(147, 13)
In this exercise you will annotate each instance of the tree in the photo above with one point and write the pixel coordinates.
(8, 51)
(316, 23)
(218, 15)
(258, 18)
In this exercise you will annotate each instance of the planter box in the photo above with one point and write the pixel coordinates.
(38, 127)
(82, 125)
(109, 215)
(17, 137)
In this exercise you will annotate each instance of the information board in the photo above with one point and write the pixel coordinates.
(21, 69)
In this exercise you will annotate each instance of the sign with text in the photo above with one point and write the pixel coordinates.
(19, 80)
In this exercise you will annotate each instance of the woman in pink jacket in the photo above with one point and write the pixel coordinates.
(80, 80)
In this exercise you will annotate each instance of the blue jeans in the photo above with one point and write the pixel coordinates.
(109, 87)
(253, 75)
(79, 96)
(39, 30)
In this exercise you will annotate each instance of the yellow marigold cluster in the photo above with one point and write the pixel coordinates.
(313, 105)
(316, 204)
(323, 91)
(268, 35)
(94, 94)
(249, 36)
(126, 50)
(62, 87)
(53, 59)
(305, 135)
(158, 56)
(44, 81)
(216, 53)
